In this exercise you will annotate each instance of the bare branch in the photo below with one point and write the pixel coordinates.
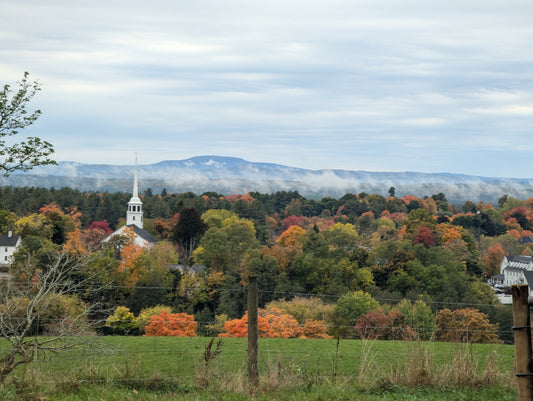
(28, 301)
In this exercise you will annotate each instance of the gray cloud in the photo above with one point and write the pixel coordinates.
(383, 85)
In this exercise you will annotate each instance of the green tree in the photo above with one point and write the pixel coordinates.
(349, 308)
(270, 279)
(31, 152)
(419, 317)
(186, 233)
(155, 281)
(226, 242)
(342, 239)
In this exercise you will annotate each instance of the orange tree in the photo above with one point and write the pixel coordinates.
(239, 327)
(274, 323)
(171, 324)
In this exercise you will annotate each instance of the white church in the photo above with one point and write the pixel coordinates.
(134, 219)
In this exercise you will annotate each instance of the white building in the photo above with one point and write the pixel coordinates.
(8, 245)
(513, 268)
(134, 220)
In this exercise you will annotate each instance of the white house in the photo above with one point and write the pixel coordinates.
(134, 220)
(8, 245)
(513, 268)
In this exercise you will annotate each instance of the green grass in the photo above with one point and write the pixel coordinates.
(166, 368)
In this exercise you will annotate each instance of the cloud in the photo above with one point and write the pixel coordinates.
(339, 84)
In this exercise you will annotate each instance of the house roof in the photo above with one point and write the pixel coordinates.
(529, 278)
(193, 269)
(525, 240)
(520, 259)
(145, 235)
(520, 262)
(139, 232)
(515, 269)
(6, 240)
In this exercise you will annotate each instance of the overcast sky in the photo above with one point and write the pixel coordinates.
(376, 85)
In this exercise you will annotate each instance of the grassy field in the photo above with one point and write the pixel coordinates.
(163, 368)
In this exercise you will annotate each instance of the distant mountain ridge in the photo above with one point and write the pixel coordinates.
(230, 175)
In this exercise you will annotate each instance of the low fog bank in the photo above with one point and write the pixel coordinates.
(312, 186)
(229, 175)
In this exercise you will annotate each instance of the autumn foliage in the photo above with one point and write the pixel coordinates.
(492, 259)
(274, 323)
(171, 324)
(378, 325)
(467, 325)
(289, 238)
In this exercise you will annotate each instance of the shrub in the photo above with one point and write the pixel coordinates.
(171, 324)
(144, 316)
(303, 309)
(465, 325)
(377, 325)
(122, 322)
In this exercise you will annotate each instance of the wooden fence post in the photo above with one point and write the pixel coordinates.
(522, 338)
(253, 332)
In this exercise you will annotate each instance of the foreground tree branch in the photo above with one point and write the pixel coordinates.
(31, 152)
(31, 298)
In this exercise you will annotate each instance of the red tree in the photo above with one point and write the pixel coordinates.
(377, 325)
(101, 225)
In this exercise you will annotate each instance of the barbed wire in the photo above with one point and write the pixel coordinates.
(104, 287)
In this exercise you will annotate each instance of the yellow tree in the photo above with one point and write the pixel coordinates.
(60, 222)
(290, 237)
(342, 237)
(130, 256)
(33, 225)
(465, 325)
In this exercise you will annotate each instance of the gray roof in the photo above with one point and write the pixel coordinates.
(525, 240)
(529, 278)
(6, 240)
(520, 259)
(193, 269)
(515, 269)
(145, 235)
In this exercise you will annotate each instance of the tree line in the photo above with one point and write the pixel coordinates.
(394, 249)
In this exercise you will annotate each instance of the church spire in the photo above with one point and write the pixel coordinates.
(135, 213)
(135, 183)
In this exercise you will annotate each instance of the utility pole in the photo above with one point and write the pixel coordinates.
(253, 332)
(522, 338)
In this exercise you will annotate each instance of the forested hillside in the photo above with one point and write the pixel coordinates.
(342, 263)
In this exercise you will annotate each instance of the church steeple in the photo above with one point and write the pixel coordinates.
(135, 212)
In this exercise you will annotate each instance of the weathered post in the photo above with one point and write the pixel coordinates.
(522, 338)
(253, 332)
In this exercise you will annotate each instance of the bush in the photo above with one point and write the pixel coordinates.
(466, 326)
(121, 322)
(171, 324)
(144, 316)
